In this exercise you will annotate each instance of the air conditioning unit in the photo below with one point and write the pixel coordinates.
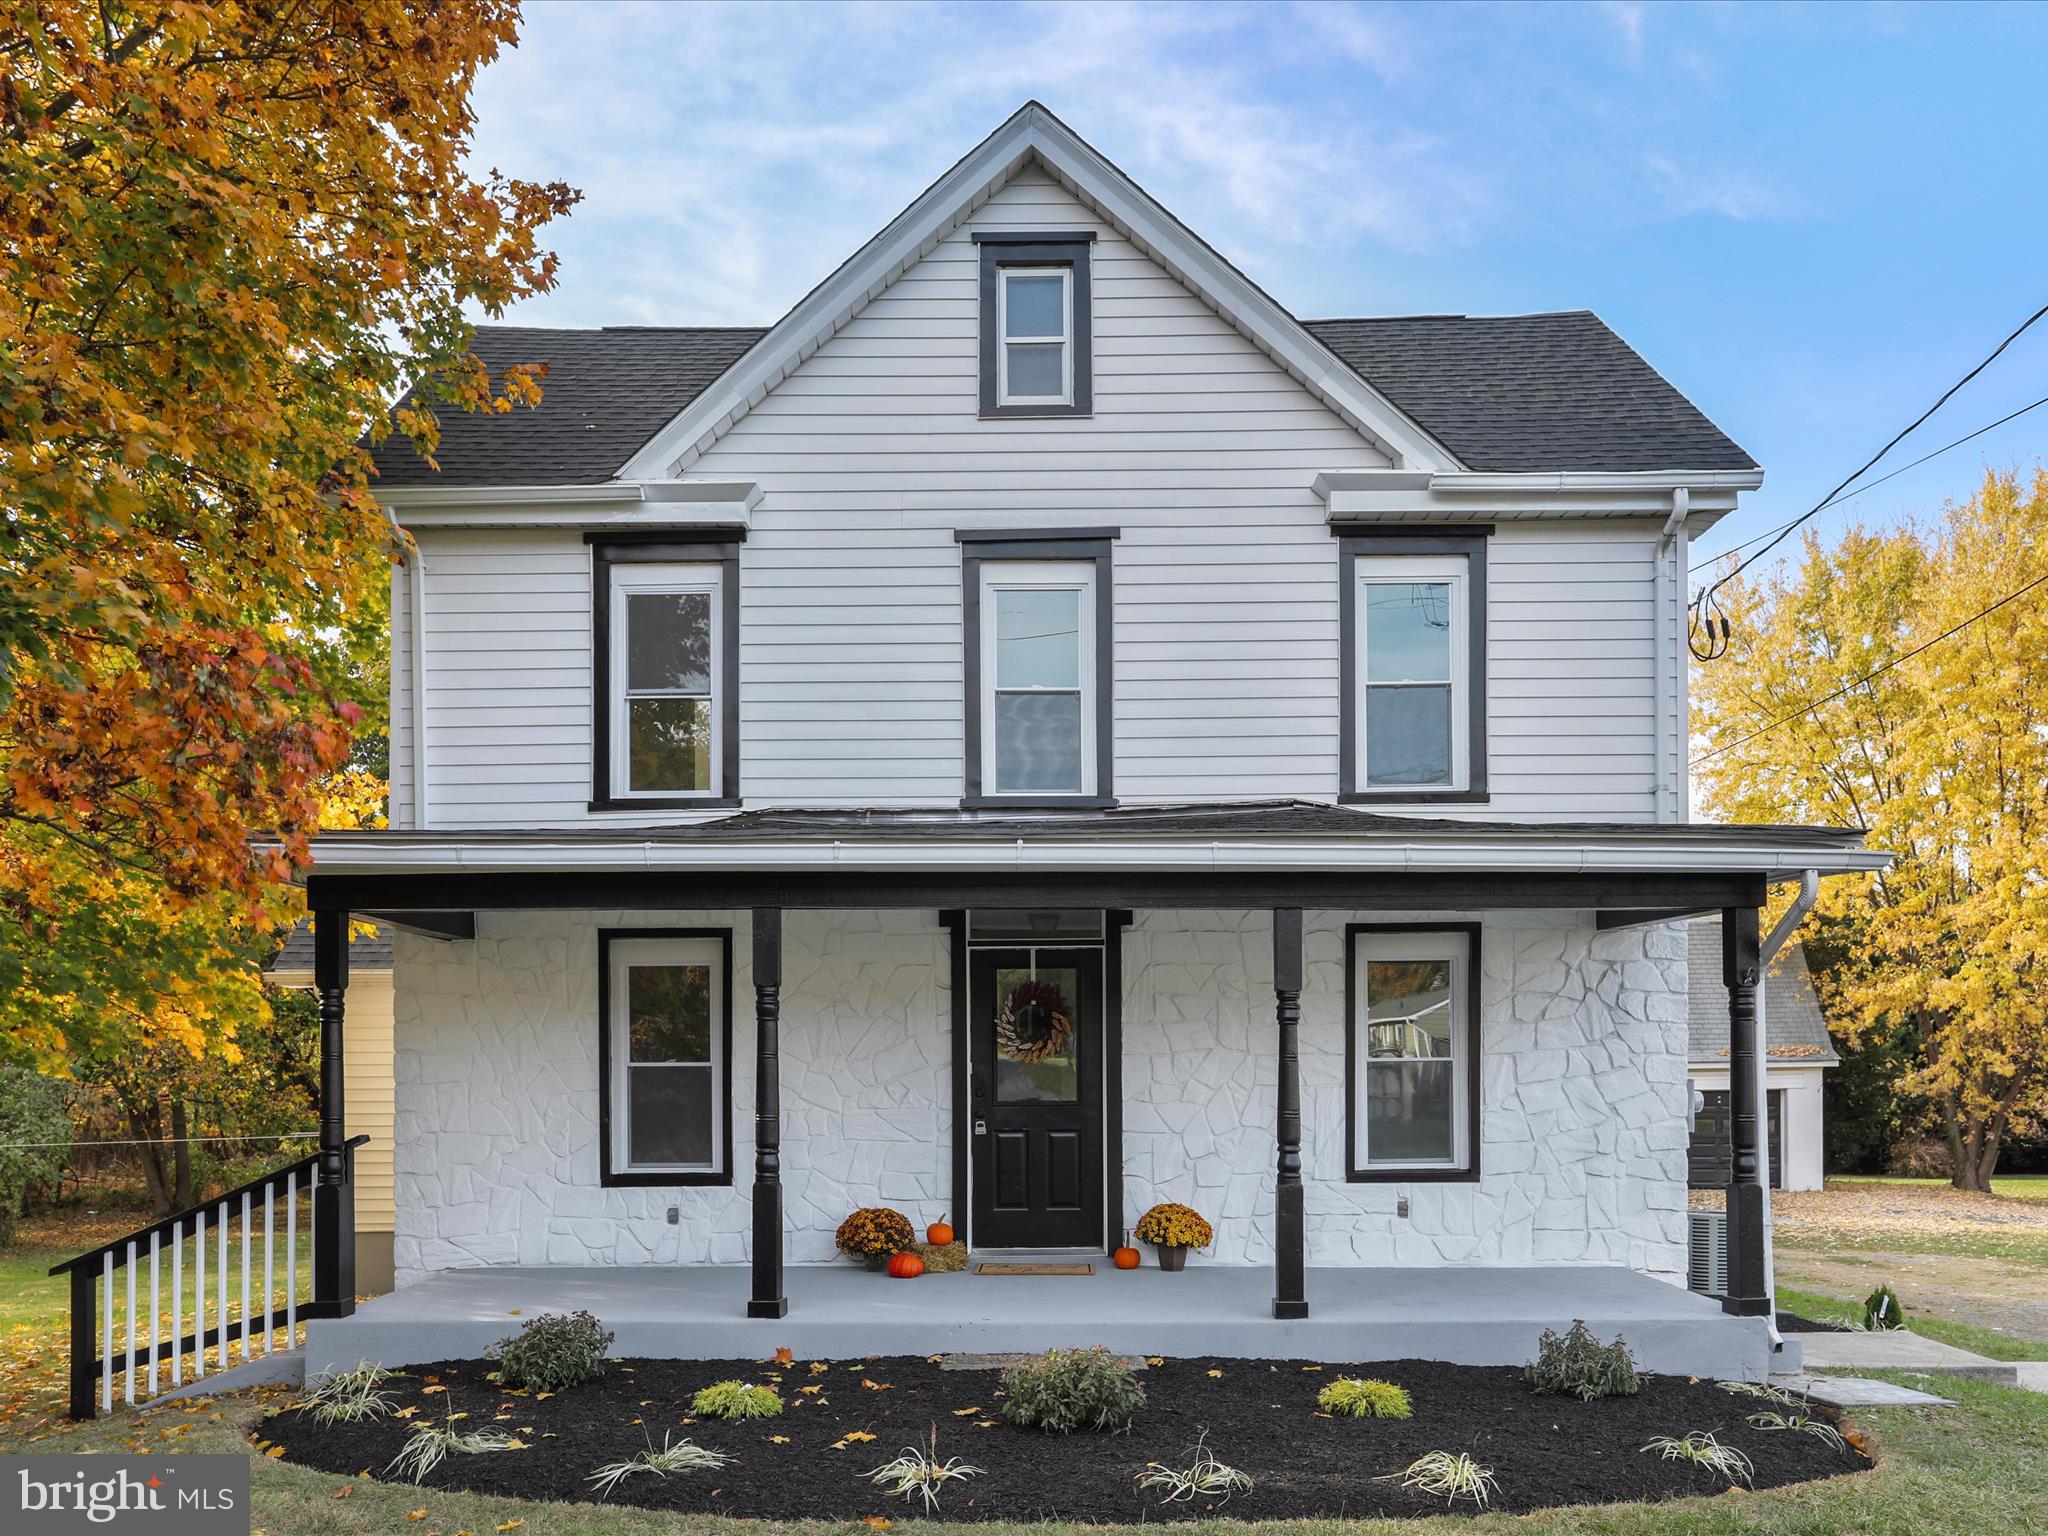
(1706, 1269)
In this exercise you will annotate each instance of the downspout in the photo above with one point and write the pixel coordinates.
(1809, 892)
(1665, 783)
(416, 679)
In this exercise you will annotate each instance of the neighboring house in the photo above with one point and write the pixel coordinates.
(368, 1086)
(1037, 731)
(1797, 1053)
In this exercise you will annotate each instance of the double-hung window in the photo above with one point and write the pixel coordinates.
(1413, 1052)
(1414, 623)
(1036, 332)
(1039, 717)
(666, 713)
(667, 1044)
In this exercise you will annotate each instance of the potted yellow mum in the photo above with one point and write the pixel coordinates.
(1173, 1230)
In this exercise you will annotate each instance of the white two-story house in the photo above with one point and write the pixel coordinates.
(1035, 732)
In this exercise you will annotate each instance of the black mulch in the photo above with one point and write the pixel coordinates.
(1792, 1322)
(1260, 1416)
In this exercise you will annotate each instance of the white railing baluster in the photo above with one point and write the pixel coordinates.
(178, 1303)
(131, 1323)
(269, 1207)
(155, 1313)
(246, 1245)
(291, 1260)
(199, 1294)
(225, 1362)
(107, 1346)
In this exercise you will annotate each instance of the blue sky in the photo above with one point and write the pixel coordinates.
(1811, 218)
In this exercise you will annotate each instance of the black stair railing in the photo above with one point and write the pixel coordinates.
(244, 1249)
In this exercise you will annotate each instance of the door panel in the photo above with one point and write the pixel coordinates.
(1035, 1031)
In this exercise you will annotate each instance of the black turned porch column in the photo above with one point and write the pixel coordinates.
(334, 1193)
(768, 1300)
(1290, 1296)
(1740, 966)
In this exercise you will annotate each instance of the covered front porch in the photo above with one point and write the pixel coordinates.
(1465, 1316)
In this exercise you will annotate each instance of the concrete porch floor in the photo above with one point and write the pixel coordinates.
(1477, 1316)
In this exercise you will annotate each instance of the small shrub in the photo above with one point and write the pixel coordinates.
(1882, 1310)
(1362, 1397)
(737, 1400)
(686, 1456)
(918, 1473)
(1803, 1424)
(1579, 1365)
(1451, 1478)
(430, 1446)
(1064, 1390)
(553, 1352)
(1204, 1477)
(1701, 1449)
(1174, 1226)
(350, 1397)
(874, 1229)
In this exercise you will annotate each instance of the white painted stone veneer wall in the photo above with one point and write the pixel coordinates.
(1583, 1117)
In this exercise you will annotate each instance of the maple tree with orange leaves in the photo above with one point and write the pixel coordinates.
(229, 233)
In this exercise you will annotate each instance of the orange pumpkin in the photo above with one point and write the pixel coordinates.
(906, 1266)
(1126, 1258)
(938, 1234)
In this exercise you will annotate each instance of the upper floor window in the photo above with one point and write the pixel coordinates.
(666, 716)
(1414, 636)
(1039, 717)
(1036, 337)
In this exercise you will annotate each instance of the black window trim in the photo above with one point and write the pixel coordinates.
(607, 1176)
(1019, 248)
(1468, 1174)
(717, 544)
(1467, 539)
(1034, 544)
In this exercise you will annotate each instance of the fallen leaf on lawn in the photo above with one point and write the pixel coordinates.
(274, 1452)
(878, 1522)
(966, 1413)
(415, 1514)
(784, 1355)
(511, 1525)
(344, 1491)
(858, 1435)
(874, 1386)
(778, 1439)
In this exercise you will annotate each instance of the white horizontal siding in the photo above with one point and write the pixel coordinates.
(1200, 450)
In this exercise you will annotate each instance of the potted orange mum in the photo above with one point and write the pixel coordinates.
(1173, 1230)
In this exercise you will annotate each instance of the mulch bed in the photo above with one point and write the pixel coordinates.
(1260, 1416)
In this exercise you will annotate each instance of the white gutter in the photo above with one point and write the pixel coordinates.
(1809, 892)
(571, 506)
(344, 853)
(1535, 482)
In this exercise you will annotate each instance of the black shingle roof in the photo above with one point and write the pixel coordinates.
(606, 392)
(366, 952)
(1531, 392)
(1511, 392)
(1795, 1033)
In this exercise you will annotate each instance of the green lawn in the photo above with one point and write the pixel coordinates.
(1983, 1341)
(2012, 1186)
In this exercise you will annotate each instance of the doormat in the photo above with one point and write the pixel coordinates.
(986, 1268)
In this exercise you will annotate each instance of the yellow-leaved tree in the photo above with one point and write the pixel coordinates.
(1943, 756)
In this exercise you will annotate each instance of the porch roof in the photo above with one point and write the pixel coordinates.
(1244, 853)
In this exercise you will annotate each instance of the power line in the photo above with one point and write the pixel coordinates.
(1875, 672)
(1880, 480)
(1706, 596)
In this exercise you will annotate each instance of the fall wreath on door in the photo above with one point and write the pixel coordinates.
(1034, 1023)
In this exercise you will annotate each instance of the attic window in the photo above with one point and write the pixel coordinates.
(1036, 341)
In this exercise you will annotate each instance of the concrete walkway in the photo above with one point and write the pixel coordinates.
(1902, 1350)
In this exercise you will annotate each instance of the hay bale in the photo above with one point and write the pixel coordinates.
(942, 1258)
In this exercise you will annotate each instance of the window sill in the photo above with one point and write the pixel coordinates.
(1413, 797)
(1038, 803)
(1037, 412)
(669, 803)
(664, 1180)
(1411, 1175)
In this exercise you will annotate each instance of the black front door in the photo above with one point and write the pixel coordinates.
(1035, 1018)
